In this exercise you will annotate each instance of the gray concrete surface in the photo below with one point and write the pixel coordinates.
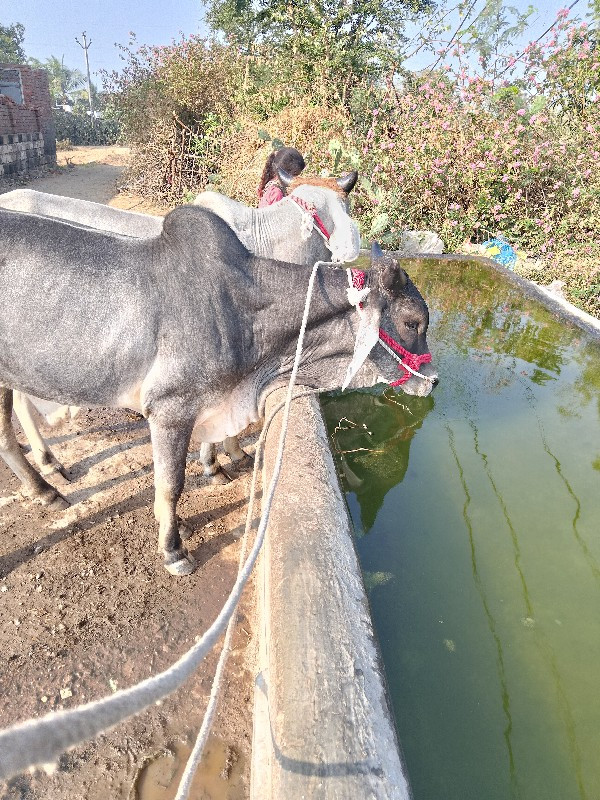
(322, 724)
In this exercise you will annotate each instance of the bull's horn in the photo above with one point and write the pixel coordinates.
(376, 252)
(347, 182)
(285, 177)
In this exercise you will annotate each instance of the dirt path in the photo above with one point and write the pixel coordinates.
(86, 606)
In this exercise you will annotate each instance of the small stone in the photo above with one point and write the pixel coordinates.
(4, 588)
(44, 698)
(38, 588)
(64, 693)
(17, 622)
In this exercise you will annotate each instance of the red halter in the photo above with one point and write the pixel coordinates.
(310, 209)
(409, 360)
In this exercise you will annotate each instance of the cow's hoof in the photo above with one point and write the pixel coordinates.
(55, 469)
(55, 501)
(185, 566)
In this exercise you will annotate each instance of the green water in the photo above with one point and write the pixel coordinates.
(477, 517)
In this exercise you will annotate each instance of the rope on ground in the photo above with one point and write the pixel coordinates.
(196, 754)
(39, 742)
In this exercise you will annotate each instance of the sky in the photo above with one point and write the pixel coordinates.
(51, 26)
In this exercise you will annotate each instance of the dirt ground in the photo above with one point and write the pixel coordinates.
(87, 608)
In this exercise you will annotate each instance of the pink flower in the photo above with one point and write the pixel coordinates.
(521, 112)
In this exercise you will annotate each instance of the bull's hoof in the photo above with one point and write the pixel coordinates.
(244, 463)
(55, 501)
(220, 478)
(55, 469)
(184, 566)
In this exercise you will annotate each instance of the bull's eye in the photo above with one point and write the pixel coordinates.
(412, 326)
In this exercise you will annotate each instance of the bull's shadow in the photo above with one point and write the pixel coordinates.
(370, 436)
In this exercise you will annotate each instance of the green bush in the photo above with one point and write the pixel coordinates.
(77, 128)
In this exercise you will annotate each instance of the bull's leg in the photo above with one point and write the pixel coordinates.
(210, 465)
(170, 443)
(239, 457)
(32, 481)
(44, 457)
(61, 414)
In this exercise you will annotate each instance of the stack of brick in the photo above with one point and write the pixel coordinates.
(27, 138)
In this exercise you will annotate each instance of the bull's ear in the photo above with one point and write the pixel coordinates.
(366, 337)
(392, 277)
(347, 182)
(285, 177)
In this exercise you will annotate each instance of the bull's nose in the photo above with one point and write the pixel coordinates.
(434, 381)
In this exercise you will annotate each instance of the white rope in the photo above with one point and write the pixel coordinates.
(307, 225)
(41, 741)
(196, 754)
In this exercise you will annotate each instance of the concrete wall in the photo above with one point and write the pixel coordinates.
(323, 726)
(27, 137)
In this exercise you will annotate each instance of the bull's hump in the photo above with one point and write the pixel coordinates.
(203, 233)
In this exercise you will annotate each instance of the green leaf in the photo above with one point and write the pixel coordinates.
(276, 144)
(263, 135)
(379, 224)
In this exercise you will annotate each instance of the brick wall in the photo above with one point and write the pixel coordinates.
(27, 137)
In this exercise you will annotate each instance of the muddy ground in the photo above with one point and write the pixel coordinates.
(86, 606)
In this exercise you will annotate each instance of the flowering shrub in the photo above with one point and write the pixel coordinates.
(457, 153)
(466, 151)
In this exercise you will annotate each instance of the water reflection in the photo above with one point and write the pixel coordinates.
(476, 313)
(371, 436)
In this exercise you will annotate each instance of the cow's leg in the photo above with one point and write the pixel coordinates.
(44, 457)
(210, 465)
(239, 457)
(32, 481)
(170, 443)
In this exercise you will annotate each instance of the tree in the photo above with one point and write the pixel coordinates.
(64, 82)
(325, 42)
(11, 43)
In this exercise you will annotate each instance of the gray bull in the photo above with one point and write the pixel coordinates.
(281, 231)
(189, 328)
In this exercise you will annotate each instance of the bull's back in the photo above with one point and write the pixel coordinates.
(78, 310)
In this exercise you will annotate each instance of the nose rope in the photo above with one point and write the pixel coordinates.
(409, 362)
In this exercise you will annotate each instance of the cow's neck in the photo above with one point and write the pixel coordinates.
(276, 233)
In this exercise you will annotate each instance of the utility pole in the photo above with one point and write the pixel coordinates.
(85, 47)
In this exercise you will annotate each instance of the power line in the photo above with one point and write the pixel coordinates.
(464, 19)
(541, 36)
